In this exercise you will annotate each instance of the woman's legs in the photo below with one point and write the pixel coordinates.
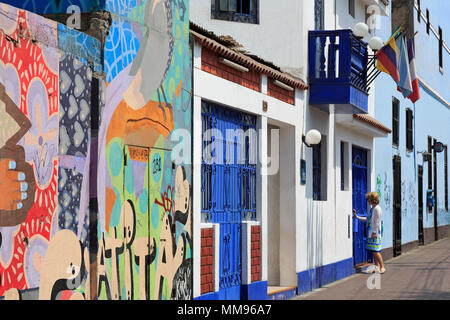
(379, 261)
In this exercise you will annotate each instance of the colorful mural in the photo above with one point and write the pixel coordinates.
(56, 6)
(144, 198)
(44, 143)
(143, 248)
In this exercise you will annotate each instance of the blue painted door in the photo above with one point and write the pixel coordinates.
(359, 172)
(228, 187)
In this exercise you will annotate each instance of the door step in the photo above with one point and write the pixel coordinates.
(281, 293)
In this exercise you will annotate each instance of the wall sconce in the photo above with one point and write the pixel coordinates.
(360, 30)
(375, 43)
(282, 85)
(233, 65)
(312, 138)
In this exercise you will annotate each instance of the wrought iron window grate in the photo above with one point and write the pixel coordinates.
(235, 10)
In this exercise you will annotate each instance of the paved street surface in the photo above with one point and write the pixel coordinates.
(422, 273)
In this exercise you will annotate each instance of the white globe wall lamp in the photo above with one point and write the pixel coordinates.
(360, 30)
(312, 138)
(375, 43)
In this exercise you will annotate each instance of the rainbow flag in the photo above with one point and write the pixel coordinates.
(387, 59)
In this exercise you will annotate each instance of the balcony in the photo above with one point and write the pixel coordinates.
(338, 71)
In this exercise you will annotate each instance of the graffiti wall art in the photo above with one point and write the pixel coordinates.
(44, 143)
(55, 82)
(145, 221)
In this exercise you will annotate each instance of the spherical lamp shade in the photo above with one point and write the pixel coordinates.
(376, 43)
(361, 29)
(313, 137)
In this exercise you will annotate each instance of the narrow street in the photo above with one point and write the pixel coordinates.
(420, 274)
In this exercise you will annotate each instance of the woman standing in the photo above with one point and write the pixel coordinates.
(373, 229)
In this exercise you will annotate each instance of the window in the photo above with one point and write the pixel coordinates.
(235, 10)
(320, 170)
(317, 165)
(351, 7)
(441, 46)
(446, 177)
(409, 130)
(228, 182)
(319, 21)
(428, 21)
(344, 166)
(395, 121)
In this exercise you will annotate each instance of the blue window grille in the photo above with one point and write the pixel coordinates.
(228, 183)
(235, 10)
(317, 167)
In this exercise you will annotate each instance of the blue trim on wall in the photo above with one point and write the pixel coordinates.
(254, 291)
(208, 296)
(318, 277)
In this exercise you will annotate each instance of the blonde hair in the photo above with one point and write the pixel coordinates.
(373, 197)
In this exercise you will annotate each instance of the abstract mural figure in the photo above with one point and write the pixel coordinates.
(143, 107)
(128, 227)
(17, 183)
(47, 75)
(170, 257)
(156, 48)
(63, 266)
(29, 164)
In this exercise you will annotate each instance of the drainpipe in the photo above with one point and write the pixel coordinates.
(334, 153)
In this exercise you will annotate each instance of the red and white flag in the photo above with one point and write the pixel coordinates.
(412, 69)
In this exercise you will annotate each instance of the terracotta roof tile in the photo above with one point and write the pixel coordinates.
(372, 121)
(224, 47)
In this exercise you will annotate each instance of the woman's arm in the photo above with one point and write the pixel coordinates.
(358, 217)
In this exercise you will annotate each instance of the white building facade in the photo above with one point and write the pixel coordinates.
(305, 209)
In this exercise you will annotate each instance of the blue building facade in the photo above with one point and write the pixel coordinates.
(412, 178)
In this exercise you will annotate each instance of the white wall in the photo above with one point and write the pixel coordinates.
(273, 219)
(278, 29)
(321, 235)
(289, 117)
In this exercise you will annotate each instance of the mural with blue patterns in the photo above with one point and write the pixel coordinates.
(148, 74)
(56, 6)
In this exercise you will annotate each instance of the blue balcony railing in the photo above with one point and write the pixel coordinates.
(338, 71)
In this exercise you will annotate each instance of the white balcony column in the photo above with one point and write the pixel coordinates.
(261, 191)
(196, 176)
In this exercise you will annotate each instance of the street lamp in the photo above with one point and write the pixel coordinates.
(313, 137)
(375, 43)
(360, 30)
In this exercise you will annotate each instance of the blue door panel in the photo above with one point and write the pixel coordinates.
(359, 183)
(228, 190)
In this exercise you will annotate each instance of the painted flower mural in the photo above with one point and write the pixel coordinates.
(41, 140)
